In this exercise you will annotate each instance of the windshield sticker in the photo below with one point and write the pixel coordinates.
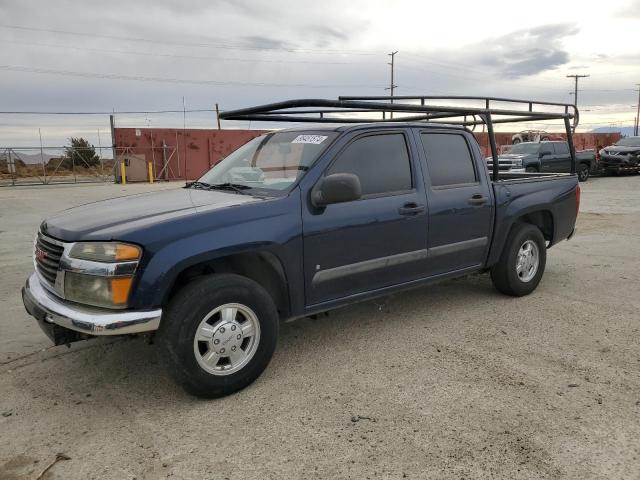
(315, 139)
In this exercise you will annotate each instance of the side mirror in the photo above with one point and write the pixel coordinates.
(336, 188)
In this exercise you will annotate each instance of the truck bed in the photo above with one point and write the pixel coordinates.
(554, 196)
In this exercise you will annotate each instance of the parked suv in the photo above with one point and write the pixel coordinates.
(545, 157)
(622, 156)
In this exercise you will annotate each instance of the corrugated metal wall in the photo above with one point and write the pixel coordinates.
(187, 153)
(582, 141)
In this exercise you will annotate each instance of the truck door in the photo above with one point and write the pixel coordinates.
(460, 201)
(377, 241)
(562, 160)
(547, 156)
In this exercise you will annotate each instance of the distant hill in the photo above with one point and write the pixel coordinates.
(626, 131)
(29, 158)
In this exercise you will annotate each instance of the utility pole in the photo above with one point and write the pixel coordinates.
(392, 86)
(575, 91)
(636, 131)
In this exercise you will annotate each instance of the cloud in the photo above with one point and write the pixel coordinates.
(528, 51)
(632, 10)
(264, 42)
(324, 32)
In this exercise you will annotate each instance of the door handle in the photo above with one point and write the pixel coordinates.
(411, 209)
(478, 199)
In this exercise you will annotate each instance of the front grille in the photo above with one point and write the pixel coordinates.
(502, 165)
(47, 257)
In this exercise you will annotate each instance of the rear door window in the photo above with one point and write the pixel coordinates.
(561, 148)
(449, 159)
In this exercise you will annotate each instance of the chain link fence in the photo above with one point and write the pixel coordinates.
(34, 166)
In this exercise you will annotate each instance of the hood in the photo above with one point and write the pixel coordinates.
(621, 149)
(512, 156)
(103, 220)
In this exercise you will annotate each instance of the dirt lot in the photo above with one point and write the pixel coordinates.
(448, 381)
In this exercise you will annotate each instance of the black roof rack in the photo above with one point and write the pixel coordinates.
(419, 108)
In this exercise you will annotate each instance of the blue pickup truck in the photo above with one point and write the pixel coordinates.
(293, 223)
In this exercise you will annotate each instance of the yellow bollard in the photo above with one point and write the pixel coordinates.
(123, 173)
(150, 165)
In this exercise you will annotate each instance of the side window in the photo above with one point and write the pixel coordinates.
(381, 162)
(561, 148)
(546, 149)
(448, 159)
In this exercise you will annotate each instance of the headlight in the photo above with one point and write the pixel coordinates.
(109, 292)
(517, 162)
(105, 252)
(106, 281)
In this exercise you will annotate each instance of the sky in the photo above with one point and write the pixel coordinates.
(96, 56)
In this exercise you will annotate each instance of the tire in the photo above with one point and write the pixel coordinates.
(205, 308)
(516, 141)
(531, 170)
(505, 274)
(583, 172)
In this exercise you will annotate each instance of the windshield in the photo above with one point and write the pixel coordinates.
(525, 148)
(628, 142)
(271, 162)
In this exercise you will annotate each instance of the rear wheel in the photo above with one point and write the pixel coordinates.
(522, 263)
(583, 172)
(218, 334)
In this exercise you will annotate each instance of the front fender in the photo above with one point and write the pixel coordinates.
(275, 229)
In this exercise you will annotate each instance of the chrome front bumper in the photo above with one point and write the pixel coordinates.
(50, 310)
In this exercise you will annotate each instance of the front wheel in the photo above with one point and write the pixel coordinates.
(219, 334)
(521, 265)
(531, 170)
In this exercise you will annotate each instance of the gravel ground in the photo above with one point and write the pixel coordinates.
(447, 381)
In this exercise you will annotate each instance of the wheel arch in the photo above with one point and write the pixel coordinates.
(263, 267)
(542, 218)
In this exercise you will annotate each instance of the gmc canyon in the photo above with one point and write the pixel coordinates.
(293, 223)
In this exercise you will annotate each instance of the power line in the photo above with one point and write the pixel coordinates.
(140, 78)
(170, 55)
(215, 44)
(110, 112)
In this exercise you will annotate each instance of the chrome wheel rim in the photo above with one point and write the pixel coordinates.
(226, 339)
(527, 261)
